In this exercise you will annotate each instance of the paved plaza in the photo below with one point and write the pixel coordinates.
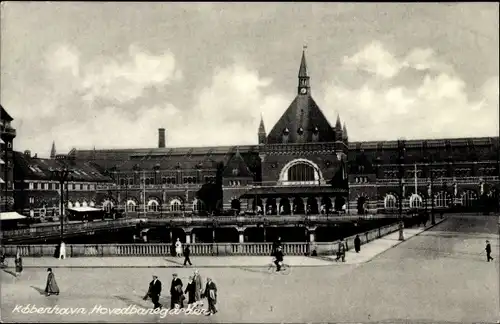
(439, 275)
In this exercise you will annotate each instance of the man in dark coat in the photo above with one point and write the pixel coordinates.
(276, 245)
(176, 292)
(187, 252)
(211, 294)
(357, 244)
(154, 292)
(488, 251)
(278, 255)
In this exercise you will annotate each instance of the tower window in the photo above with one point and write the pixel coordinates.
(300, 131)
(286, 132)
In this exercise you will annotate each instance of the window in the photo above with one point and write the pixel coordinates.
(301, 172)
(390, 201)
(70, 204)
(415, 201)
(57, 186)
(31, 200)
(175, 205)
(77, 204)
(73, 186)
(441, 199)
(50, 186)
(197, 205)
(153, 206)
(35, 185)
(469, 198)
(131, 206)
(236, 172)
(30, 185)
(107, 205)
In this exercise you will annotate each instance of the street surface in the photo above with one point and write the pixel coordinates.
(440, 275)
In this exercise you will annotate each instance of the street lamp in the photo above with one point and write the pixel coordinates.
(61, 175)
(401, 174)
(433, 216)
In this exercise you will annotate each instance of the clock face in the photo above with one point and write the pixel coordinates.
(303, 90)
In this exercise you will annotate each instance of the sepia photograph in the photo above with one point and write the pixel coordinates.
(239, 162)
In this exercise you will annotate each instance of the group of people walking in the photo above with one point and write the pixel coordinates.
(194, 290)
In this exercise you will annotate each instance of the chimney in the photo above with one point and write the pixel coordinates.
(27, 153)
(161, 137)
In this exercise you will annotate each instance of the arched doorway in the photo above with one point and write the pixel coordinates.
(271, 208)
(339, 203)
(284, 206)
(298, 206)
(257, 205)
(362, 205)
(326, 205)
(312, 206)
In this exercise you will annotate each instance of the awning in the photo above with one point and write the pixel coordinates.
(83, 209)
(11, 216)
(2, 162)
(1, 141)
(293, 191)
(1, 180)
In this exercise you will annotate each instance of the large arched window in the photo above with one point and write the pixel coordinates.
(441, 199)
(175, 205)
(131, 206)
(153, 205)
(469, 198)
(390, 201)
(301, 172)
(415, 201)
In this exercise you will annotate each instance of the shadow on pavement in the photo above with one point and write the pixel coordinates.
(40, 290)
(13, 274)
(129, 301)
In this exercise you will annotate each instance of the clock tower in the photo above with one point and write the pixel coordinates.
(303, 88)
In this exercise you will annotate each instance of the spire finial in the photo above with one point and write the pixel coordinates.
(304, 47)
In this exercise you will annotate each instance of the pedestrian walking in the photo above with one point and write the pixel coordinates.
(276, 245)
(198, 288)
(178, 248)
(154, 292)
(176, 295)
(488, 251)
(51, 286)
(19, 263)
(211, 294)
(357, 244)
(341, 251)
(191, 291)
(187, 252)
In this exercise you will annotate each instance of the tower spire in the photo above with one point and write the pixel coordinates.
(262, 131)
(303, 87)
(53, 150)
(338, 124)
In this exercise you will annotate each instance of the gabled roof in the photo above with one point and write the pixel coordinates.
(30, 168)
(303, 113)
(237, 167)
(4, 115)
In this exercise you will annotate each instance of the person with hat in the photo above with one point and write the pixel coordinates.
(488, 251)
(51, 286)
(211, 294)
(176, 293)
(154, 292)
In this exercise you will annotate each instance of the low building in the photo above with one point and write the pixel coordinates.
(38, 191)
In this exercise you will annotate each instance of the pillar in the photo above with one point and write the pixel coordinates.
(264, 206)
(241, 235)
(250, 204)
(188, 237)
(318, 204)
(193, 235)
(304, 202)
(278, 207)
(312, 234)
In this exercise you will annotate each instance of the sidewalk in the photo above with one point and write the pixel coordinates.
(368, 252)
(374, 248)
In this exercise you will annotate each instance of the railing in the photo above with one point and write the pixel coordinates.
(69, 228)
(149, 187)
(450, 180)
(8, 130)
(197, 249)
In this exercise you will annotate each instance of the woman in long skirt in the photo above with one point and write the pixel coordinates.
(19, 263)
(190, 291)
(178, 248)
(51, 287)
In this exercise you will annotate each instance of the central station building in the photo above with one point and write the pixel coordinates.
(300, 166)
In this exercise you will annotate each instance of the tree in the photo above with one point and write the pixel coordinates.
(211, 193)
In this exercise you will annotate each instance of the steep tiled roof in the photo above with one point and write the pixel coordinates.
(303, 113)
(237, 167)
(40, 169)
(4, 115)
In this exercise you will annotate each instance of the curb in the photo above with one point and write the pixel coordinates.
(167, 267)
(400, 242)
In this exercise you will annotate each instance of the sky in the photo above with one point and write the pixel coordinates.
(108, 75)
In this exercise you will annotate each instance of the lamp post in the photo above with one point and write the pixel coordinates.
(433, 216)
(401, 194)
(62, 175)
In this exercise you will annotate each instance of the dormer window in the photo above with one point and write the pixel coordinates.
(300, 131)
(236, 172)
(315, 130)
(286, 132)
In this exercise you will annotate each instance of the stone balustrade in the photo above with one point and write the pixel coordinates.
(197, 249)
